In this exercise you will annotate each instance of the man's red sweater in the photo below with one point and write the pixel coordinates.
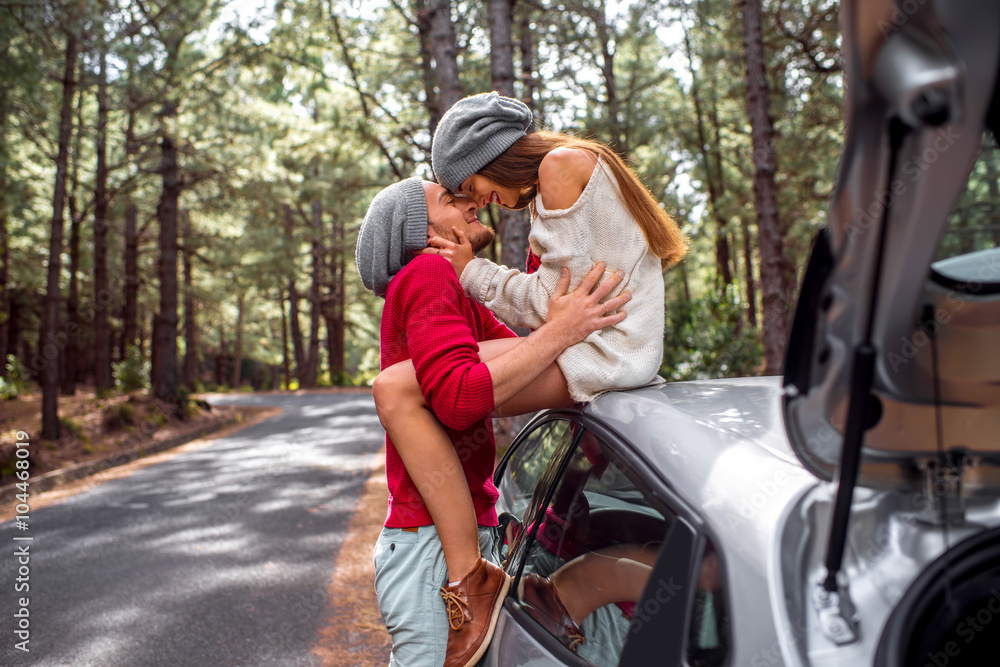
(427, 318)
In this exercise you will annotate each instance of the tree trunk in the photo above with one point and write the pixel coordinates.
(14, 341)
(773, 269)
(220, 358)
(164, 367)
(445, 52)
(293, 300)
(513, 226)
(427, 63)
(190, 331)
(713, 178)
(615, 134)
(748, 268)
(298, 345)
(130, 332)
(238, 346)
(501, 21)
(527, 48)
(130, 328)
(70, 367)
(284, 341)
(685, 294)
(102, 295)
(334, 312)
(69, 357)
(315, 305)
(50, 344)
(4, 239)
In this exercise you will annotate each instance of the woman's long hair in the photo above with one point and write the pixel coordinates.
(517, 167)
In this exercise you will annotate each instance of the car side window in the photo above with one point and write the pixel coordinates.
(526, 465)
(708, 633)
(596, 540)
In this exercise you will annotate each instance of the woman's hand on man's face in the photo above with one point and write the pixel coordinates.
(459, 254)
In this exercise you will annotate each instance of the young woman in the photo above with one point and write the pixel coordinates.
(587, 207)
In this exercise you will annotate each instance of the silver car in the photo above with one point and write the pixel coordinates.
(848, 513)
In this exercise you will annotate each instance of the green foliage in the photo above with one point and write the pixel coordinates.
(16, 380)
(313, 107)
(156, 419)
(73, 428)
(132, 372)
(119, 416)
(705, 338)
(185, 406)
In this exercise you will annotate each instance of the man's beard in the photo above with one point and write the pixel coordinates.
(483, 238)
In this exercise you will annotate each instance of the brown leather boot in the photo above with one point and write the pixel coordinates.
(473, 605)
(541, 601)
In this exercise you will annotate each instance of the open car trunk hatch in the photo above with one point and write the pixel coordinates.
(910, 262)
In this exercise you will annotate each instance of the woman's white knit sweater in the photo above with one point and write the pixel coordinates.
(597, 228)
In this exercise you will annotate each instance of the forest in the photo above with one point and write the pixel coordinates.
(182, 181)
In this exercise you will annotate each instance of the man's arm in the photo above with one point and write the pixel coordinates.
(427, 303)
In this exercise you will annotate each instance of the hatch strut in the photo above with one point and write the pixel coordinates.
(835, 608)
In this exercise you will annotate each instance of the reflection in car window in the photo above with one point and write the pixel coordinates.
(526, 465)
(975, 221)
(708, 634)
(595, 545)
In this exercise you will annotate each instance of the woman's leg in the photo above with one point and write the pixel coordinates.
(609, 575)
(432, 463)
(547, 390)
(430, 457)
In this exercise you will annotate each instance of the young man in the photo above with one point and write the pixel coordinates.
(428, 320)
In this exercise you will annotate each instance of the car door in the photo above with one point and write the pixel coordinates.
(588, 519)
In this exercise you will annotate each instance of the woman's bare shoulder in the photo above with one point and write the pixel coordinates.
(563, 174)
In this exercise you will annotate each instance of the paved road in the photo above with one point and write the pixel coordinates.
(218, 556)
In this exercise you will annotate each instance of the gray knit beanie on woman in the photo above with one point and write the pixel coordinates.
(473, 133)
(393, 229)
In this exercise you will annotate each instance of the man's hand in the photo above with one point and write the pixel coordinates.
(577, 314)
(459, 254)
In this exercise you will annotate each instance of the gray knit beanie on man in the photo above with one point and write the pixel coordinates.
(393, 229)
(473, 133)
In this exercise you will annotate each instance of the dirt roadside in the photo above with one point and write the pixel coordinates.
(353, 634)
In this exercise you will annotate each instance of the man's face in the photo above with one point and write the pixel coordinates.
(445, 210)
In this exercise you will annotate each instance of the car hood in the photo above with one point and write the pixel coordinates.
(920, 90)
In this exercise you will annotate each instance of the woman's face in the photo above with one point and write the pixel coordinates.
(483, 191)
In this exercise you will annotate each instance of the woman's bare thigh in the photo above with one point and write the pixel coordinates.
(548, 390)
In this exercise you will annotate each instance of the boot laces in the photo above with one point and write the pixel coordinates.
(456, 607)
